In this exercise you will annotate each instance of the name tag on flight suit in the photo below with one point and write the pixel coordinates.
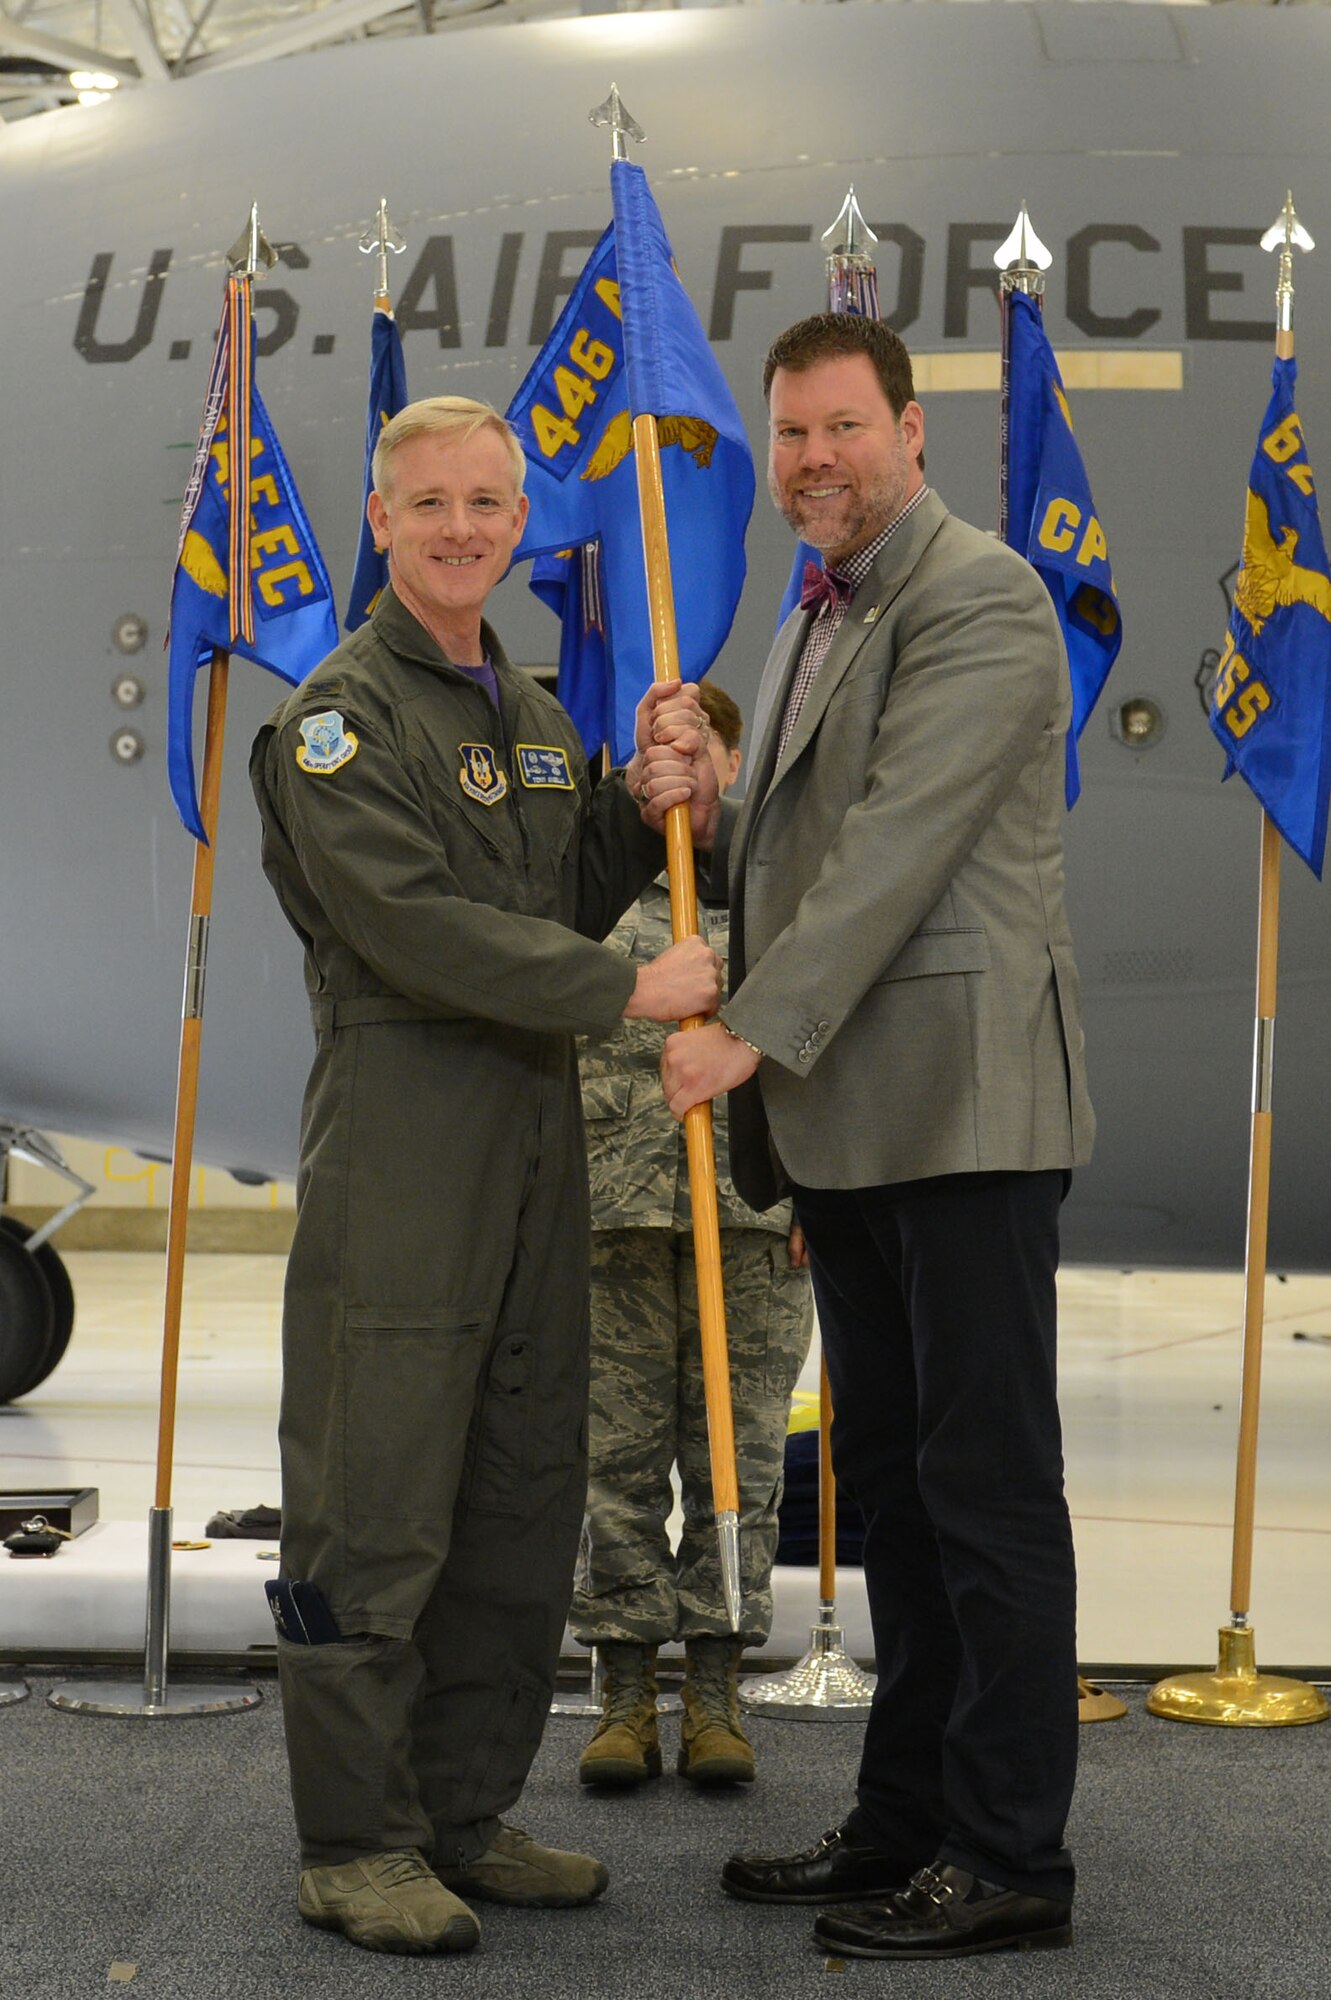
(544, 766)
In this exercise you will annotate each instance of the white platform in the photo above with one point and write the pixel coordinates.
(1150, 1370)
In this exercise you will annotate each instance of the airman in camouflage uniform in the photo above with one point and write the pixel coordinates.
(648, 1410)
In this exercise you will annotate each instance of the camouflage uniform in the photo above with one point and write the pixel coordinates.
(647, 1405)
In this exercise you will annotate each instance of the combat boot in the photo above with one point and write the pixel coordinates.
(625, 1748)
(713, 1749)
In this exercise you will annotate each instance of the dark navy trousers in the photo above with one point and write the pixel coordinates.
(937, 1307)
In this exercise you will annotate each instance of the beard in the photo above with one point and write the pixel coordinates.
(857, 519)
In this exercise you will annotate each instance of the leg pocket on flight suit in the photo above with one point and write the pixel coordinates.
(500, 1482)
(527, 1459)
(410, 1386)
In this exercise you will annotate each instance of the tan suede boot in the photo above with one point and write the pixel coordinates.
(388, 1902)
(625, 1749)
(713, 1749)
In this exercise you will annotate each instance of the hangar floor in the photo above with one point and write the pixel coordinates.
(1150, 1370)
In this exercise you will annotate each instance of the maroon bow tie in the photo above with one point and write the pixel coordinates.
(823, 586)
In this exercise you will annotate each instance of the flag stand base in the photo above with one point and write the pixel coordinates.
(825, 1686)
(154, 1698)
(589, 1704)
(1094, 1704)
(1236, 1696)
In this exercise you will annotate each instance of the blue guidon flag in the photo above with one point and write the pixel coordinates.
(388, 395)
(628, 344)
(1052, 519)
(1271, 705)
(249, 578)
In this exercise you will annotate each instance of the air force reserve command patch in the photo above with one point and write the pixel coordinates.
(544, 766)
(480, 776)
(328, 744)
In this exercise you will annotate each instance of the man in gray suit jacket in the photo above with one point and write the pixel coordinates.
(904, 1051)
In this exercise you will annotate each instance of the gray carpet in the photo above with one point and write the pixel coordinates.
(167, 1846)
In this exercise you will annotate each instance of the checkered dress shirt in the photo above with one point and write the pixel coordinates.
(826, 621)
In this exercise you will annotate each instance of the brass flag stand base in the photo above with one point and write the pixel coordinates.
(1236, 1696)
(11, 1691)
(825, 1686)
(1094, 1705)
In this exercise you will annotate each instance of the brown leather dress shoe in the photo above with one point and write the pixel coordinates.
(946, 1913)
(839, 1868)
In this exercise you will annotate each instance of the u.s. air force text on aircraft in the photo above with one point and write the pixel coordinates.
(1117, 280)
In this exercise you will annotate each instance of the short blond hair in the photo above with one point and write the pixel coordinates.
(456, 417)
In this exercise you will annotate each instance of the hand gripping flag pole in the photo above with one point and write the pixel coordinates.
(1276, 665)
(826, 1684)
(683, 892)
(241, 525)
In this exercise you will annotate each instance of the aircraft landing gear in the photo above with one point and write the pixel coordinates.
(36, 1296)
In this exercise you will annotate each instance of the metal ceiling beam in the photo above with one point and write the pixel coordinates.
(15, 39)
(340, 17)
(142, 40)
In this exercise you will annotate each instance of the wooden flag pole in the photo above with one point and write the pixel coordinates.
(1236, 1694)
(1259, 1208)
(158, 1698)
(187, 1075)
(826, 1491)
(698, 1121)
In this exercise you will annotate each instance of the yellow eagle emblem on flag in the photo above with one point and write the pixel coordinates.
(1270, 578)
(690, 433)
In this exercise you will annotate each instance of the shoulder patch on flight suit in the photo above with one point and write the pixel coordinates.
(480, 776)
(544, 765)
(328, 744)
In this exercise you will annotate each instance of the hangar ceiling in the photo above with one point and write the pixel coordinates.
(66, 52)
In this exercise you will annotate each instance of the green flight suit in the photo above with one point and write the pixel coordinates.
(447, 869)
(648, 1407)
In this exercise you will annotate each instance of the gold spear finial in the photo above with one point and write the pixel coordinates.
(378, 240)
(1023, 259)
(622, 125)
(1286, 234)
(251, 254)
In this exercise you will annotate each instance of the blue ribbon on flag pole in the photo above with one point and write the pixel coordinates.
(388, 395)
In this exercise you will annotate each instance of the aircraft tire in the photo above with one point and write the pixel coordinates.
(52, 1267)
(27, 1314)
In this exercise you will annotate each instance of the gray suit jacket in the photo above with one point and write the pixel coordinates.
(899, 948)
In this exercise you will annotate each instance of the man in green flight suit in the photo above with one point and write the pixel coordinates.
(433, 840)
(648, 1409)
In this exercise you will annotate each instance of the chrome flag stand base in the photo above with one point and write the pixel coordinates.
(825, 1686)
(155, 1698)
(589, 1704)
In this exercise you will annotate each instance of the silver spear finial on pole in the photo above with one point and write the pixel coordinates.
(622, 125)
(1286, 234)
(379, 239)
(1022, 259)
(251, 254)
(852, 275)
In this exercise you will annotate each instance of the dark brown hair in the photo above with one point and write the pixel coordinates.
(827, 335)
